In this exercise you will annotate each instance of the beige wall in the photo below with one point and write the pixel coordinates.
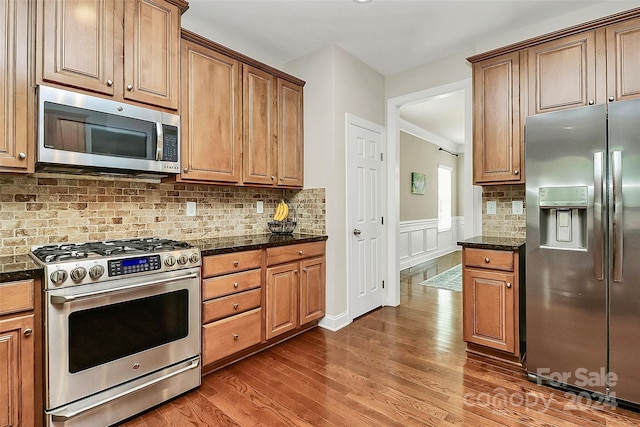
(418, 155)
(337, 83)
(37, 211)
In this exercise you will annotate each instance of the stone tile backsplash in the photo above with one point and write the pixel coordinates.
(503, 223)
(54, 209)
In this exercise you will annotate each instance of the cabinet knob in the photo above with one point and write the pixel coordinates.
(591, 102)
(235, 285)
(508, 284)
(516, 172)
(299, 252)
(304, 270)
(235, 263)
(109, 82)
(487, 260)
(611, 99)
(273, 178)
(295, 271)
(22, 156)
(235, 337)
(186, 170)
(235, 306)
(129, 88)
(28, 332)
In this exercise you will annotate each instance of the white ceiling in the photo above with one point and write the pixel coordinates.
(390, 36)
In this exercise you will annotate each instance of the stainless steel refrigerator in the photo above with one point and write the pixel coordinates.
(583, 249)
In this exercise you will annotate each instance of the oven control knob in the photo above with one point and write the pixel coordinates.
(183, 259)
(194, 258)
(78, 273)
(96, 271)
(170, 261)
(58, 276)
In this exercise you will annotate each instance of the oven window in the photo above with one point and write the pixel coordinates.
(103, 334)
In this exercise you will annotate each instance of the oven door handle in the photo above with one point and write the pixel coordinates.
(66, 416)
(62, 299)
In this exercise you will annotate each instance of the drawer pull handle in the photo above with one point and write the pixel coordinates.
(299, 252)
(235, 285)
(235, 263)
(487, 260)
(235, 306)
(28, 332)
(235, 337)
(509, 285)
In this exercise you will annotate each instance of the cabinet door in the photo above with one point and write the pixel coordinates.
(312, 289)
(211, 108)
(282, 299)
(152, 52)
(489, 309)
(290, 135)
(17, 371)
(497, 133)
(562, 73)
(623, 60)
(75, 43)
(259, 126)
(16, 109)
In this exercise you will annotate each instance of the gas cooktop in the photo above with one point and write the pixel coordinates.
(72, 264)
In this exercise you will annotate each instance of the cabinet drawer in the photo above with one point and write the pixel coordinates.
(233, 304)
(231, 262)
(485, 258)
(281, 254)
(16, 296)
(230, 335)
(231, 283)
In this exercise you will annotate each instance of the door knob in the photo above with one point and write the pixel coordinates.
(356, 232)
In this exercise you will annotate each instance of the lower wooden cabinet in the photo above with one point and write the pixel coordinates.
(231, 335)
(18, 354)
(491, 306)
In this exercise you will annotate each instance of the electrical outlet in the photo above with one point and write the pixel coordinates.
(259, 207)
(516, 207)
(491, 207)
(191, 208)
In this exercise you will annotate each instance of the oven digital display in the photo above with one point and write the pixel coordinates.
(134, 261)
(141, 264)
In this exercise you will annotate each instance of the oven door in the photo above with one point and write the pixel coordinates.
(99, 336)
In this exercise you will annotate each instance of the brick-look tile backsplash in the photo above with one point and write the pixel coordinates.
(41, 210)
(503, 223)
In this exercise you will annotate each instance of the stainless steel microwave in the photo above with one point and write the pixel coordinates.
(78, 131)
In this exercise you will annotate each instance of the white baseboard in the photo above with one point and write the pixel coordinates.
(334, 323)
(421, 241)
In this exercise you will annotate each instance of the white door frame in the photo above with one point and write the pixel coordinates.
(472, 194)
(358, 121)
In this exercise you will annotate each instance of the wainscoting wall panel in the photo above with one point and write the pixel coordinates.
(420, 241)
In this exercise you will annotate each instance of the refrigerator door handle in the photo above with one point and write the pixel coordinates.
(598, 241)
(616, 172)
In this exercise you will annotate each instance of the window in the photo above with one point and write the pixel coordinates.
(444, 197)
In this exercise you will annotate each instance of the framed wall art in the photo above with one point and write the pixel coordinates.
(418, 183)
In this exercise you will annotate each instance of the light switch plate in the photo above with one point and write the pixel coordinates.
(491, 207)
(516, 207)
(259, 206)
(191, 208)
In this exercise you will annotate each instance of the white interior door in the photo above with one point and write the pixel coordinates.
(365, 202)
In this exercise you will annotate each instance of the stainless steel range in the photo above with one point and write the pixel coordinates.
(122, 327)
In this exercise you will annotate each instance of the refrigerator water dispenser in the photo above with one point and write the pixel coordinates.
(563, 217)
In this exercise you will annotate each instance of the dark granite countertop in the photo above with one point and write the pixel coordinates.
(221, 245)
(18, 267)
(498, 243)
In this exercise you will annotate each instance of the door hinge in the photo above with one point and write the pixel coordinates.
(382, 157)
(383, 284)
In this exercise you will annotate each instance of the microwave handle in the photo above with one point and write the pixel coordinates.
(159, 141)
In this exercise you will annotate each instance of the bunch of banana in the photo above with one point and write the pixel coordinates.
(282, 211)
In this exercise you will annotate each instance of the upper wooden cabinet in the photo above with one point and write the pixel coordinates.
(17, 143)
(563, 74)
(211, 116)
(497, 130)
(241, 119)
(126, 50)
(623, 60)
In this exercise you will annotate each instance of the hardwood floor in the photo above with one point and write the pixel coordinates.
(396, 366)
